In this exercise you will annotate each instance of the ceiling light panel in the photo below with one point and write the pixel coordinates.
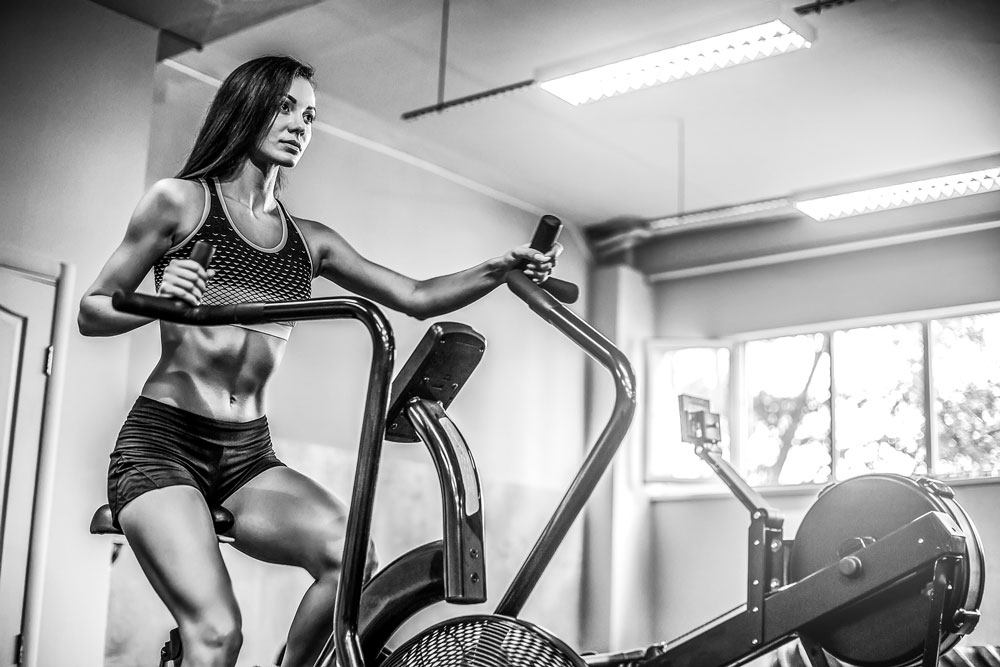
(904, 194)
(700, 57)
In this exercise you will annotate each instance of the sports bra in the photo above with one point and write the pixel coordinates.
(245, 271)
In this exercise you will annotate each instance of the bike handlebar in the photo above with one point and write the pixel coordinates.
(601, 454)
(546, 233)
(173, 310)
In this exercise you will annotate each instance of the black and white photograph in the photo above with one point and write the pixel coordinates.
(500, 333)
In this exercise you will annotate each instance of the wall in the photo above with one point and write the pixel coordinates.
(522, 410)
(938, 273)
(74, 127)
(699, 544)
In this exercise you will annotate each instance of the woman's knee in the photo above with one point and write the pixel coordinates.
(216, 632)
(326, 558)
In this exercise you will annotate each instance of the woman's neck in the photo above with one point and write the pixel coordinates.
(252, 186)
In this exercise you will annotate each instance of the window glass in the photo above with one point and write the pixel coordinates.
(966, 367)
(879, 409)
(696, 371)
(830, 406)
(788, 399)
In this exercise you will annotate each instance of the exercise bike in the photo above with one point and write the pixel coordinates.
(885, 571)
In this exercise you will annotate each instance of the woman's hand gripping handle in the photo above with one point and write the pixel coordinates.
(543, 239)
(176, 299)
(185, 279)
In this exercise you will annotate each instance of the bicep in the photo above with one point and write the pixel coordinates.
(128, 265)
(148, 236)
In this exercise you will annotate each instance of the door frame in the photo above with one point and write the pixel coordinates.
(62, 276)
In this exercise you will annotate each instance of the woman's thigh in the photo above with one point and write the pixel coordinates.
(284, 517)
(171, 533)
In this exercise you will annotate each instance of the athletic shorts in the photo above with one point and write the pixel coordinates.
(161, 445)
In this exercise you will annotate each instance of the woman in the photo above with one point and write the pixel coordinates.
(197, 434)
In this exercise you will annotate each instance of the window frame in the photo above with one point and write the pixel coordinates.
(735, 434)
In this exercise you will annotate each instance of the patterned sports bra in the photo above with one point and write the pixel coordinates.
(245, 271)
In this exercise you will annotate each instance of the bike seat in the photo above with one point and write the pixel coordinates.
(101, 524)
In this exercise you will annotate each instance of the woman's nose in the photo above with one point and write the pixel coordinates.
(298, 126)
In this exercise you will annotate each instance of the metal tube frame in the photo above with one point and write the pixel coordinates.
(919, 545)
(600, 455)
(461, 502)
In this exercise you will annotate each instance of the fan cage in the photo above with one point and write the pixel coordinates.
(484, 641)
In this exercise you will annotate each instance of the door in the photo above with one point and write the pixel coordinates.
(27, 306)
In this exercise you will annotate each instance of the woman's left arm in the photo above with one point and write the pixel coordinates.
(339, 262)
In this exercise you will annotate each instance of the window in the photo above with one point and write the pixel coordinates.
(879, 400)
(697, 370)
(911, 397)
(965, 356)
(788, 403)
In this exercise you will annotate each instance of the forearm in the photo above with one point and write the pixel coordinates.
(444, 294)
(97, 317)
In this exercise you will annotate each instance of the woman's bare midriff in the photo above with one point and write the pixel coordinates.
(218, 372)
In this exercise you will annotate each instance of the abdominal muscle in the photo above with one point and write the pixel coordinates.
(218, 372)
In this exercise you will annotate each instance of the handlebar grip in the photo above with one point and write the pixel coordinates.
(171, 310)
(542, 240)
(149, 306)
(563, 290)
(175, 310)
(546, 233)
(202, 253)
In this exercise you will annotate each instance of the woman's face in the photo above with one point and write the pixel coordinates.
(291, 129)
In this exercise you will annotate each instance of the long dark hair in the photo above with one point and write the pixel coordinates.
(241, 114)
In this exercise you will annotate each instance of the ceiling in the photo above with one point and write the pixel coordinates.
(889, 87)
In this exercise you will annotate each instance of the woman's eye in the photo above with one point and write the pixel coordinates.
(285, 107)
(309, 118)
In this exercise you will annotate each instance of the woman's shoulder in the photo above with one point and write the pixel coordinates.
(321, 239)
(308, 228)
(173, 203)
(176, 193)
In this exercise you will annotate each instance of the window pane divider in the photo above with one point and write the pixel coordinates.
(834, 450)
(930, 405)
(738, 402)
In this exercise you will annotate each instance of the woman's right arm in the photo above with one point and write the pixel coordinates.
(169, 211)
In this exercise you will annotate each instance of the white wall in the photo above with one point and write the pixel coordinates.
(74, 127)
(938, 273)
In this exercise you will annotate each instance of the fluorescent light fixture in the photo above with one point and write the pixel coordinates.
(904, 194)
(719, 216)
(706, 55)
